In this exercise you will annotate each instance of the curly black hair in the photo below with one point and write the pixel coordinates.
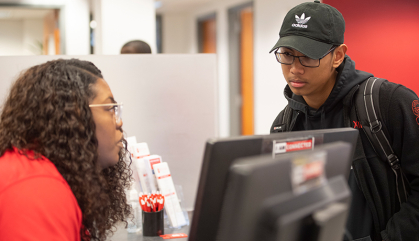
(47, 111)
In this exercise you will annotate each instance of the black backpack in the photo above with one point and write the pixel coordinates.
(365, 98)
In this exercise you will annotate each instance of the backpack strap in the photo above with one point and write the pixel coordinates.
(282, 121)
(349, 112)
(368, 113)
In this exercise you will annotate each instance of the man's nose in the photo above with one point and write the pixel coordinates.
(296, 67)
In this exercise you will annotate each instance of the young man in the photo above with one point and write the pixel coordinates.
(320, 75)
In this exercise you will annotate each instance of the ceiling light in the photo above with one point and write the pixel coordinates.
(157, 4)
(93, 24)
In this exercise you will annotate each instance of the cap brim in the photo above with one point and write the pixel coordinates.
(309, 47)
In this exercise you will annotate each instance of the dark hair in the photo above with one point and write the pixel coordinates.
(136, 47)
(48, 112)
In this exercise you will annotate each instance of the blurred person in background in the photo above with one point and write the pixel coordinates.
(136, 47)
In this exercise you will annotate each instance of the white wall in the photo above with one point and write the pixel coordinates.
(20, 37)
(179, 29)
(180, 36)
(268, 79)
(269, 82)
(33, 30)
(182, 26)
(11, 32)
(118, 23)
(77, 31)
(157, 104)
(35, 2)
(122, 21)
(75, 26)
(220, 8)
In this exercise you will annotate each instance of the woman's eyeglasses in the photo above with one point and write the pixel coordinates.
(116, 108)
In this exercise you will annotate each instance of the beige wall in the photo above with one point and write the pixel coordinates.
(157, 104)
(11, 43)
(269, 81)
(74, 24)
(123, 21)
(180, 36)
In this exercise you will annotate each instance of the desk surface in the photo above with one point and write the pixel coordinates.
(122, 235)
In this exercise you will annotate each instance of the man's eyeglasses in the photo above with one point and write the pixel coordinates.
(116, 108)
(287, 58)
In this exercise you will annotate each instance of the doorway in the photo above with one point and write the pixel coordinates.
(30, 30)
(241, 70)
(207, 37)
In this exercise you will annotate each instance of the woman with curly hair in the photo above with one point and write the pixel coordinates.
(62, 167)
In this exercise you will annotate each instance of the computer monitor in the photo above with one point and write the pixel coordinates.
(220, 153)
(318, 215)
(275, 199)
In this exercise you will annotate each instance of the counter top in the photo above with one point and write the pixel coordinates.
(122, 235)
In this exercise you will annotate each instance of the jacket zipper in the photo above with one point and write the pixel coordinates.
(293, 122)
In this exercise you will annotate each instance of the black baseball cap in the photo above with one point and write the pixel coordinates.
(311, 28)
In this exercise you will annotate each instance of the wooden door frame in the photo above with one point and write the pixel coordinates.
(200, 29)
(234, 25)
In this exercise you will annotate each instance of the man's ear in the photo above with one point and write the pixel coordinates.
(339, 54)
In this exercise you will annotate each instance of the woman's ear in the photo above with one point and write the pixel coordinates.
(339, 55)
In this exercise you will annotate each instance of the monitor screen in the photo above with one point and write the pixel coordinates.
(220, 153)
(318, 215)
(282, 193)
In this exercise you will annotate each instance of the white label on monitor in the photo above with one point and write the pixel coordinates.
(289, 145)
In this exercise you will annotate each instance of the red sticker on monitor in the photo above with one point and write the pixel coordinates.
(283, 146)
(299, 145)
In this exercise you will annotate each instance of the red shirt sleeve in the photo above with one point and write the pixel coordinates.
(39, 208)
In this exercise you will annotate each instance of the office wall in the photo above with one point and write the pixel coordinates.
(178, 34)
(33, 30)
(118, 23)
(220, 8)
(186, 22)
(74, 25)
(268, 79)
(174, 110)
(11, 43)
(122, 21)
(381, 36)
(20, 37)
(269, 82)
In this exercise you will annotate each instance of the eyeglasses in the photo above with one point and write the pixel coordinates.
(287, 59)
(116, 108)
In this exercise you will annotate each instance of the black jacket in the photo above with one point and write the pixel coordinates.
(372, 177)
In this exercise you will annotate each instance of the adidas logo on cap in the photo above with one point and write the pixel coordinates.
(301, 21)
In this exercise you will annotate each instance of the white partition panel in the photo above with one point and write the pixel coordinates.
(170, 102)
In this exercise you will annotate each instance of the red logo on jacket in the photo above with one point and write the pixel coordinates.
(415, 108)
(357, 125)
